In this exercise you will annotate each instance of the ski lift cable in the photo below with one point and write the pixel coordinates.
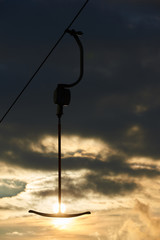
(45, 59)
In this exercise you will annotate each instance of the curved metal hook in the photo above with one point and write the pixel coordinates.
(75, 35)
(62, 95)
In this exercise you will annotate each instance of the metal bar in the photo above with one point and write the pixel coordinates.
(59, 163)
(75, 35)
(59, 215)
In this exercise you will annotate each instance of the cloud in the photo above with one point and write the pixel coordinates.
(73, 146)
(103, 185)
(93, 155)
(84, 183)
(11, 187)
(32, 153)
(10, 207)
(147, 228)
(15, 234)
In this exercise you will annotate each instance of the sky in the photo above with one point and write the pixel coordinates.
(110, 130)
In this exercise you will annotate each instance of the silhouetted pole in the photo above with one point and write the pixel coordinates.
(59, 162)
(62, 98)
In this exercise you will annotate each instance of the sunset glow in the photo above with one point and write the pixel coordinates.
(73, 146)
(62, 223)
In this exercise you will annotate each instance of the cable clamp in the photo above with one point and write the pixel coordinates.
(73, 32)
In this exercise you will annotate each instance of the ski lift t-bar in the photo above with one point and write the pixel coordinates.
(61, 98)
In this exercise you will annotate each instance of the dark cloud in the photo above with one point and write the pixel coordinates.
(92, 183)
(19, 153)
(44, 193)
(69, 189)
(101, 185)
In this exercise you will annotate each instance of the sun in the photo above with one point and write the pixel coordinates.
(56, 208)
(61, 223)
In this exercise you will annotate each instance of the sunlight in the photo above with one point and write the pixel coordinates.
(61, 223)
(56, 208)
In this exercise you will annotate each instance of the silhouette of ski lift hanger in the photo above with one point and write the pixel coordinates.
(62, 98)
